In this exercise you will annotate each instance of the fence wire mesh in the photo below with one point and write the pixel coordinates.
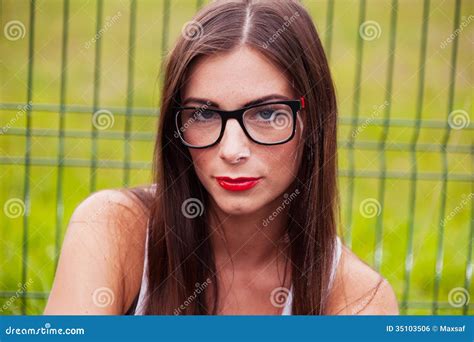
(78, 113)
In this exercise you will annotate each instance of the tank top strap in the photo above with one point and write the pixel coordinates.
(140, 303)
(337, 256)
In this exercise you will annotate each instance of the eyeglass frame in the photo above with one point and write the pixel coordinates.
(238, 114)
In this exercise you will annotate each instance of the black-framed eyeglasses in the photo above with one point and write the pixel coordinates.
(270, 123)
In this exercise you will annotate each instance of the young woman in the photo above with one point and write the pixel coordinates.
(243, 214)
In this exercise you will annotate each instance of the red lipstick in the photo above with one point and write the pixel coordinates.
(237, 184)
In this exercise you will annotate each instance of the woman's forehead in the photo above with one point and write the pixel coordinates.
(236, 76)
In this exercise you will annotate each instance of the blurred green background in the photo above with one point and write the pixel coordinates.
(405, 138)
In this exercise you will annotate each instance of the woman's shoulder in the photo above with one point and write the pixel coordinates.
(103, 249)
(119, 211)
(360, 290)
(123, 215)
(108, 200)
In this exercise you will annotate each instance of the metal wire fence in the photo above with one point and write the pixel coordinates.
(78, 114)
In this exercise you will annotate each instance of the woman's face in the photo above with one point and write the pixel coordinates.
(231, 80)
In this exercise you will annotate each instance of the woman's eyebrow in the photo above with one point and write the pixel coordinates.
(265, 99)
(209, 103)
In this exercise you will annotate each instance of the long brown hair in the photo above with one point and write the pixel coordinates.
(180, 253)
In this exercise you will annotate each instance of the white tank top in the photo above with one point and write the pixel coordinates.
(140, 308)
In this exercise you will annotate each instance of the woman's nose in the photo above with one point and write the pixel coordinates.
(234, 146)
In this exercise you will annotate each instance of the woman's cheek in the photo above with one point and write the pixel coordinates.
(283, 159)
(201, 162)
(281, 168)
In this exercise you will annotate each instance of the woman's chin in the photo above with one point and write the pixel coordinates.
(237, 207)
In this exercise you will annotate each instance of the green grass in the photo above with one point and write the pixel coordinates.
(41, 249)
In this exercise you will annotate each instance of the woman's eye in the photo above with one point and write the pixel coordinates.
(265, 114)
(205, 115)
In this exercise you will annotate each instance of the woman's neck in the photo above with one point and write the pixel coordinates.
(248, 241)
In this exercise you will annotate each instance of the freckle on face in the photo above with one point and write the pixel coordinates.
(232, 79)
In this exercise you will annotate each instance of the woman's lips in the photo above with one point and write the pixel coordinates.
(237, 184)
